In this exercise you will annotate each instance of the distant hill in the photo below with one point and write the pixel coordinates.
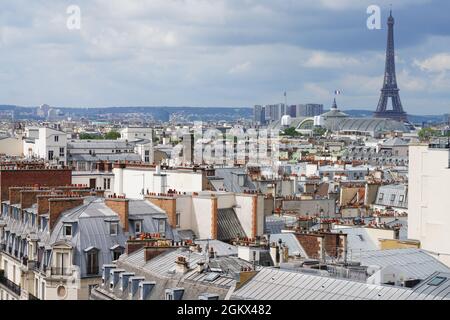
(163, 113)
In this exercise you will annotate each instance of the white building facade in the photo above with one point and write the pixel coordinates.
(429, 199)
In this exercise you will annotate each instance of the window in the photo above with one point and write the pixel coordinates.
(138, 227)
(436, 281)
(392, 197)
(178, 219)
(402, 197)
(56, 138)
(92, 262)
(50, 155)
(67, 230)
(116, 254)
(161, 226)
(107, 184)
(381, 196)
(61, 152)
(113, 228)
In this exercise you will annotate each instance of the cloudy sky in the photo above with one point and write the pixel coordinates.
(221, 53)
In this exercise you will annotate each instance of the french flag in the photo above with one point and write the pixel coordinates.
(337, 92)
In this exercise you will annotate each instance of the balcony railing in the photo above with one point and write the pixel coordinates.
(9, 284)
(40, 267)
(61, 271)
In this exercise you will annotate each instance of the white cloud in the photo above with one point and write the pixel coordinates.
(437, 63)
(240, 68)
(328, 60)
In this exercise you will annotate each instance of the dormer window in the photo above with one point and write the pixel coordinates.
(116, 251)
(138, 227)
(114, 228)
(161, 225)
(92, 260)
(67, 229)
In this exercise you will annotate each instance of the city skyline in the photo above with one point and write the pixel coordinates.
(227, 54)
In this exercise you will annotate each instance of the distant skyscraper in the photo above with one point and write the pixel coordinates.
(390, 89)
(274, 112)
(447, 118)
(309, 110)
(292, 111)
(259, 114)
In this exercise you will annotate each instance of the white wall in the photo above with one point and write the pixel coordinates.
(136, 133)
(99, 183)
(11, 146)
(46, 143)
(201, 217)
(133, 180)
(429, 200)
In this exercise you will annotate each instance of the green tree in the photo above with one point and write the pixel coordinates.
(90, 136)
(427, 133)
(291, 132)
(112, 135)
(319, 131)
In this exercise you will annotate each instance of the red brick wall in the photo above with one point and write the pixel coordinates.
(334, 245)
(42, 202)
(29, 197)
(311, 244)
(119, 206)
(59, 205)
(168, 205)
(43, 177)
(214, 218)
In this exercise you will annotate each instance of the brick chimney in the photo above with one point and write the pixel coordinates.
(29, 197)
(57, 206)
(121, 207)
(42, 202)
(181, 265)
(214, 217)
(152, 252)
(168, 204)
(14, 194)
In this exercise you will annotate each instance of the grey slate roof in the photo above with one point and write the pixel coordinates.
(438, 284)
(415, 263)
(390, 195)
(228, 225)
(161, 269)
(274, 224)
(229, 176)
(358, 239)
(279, 284)
(93, 230)
(220, 248)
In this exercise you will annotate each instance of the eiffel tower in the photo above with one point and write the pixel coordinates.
(390, 89)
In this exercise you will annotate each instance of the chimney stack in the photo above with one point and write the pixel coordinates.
(181, 265)
(57, 206)
(121, 207)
